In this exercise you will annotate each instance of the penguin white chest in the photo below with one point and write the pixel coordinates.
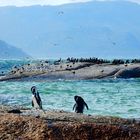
(34, 100)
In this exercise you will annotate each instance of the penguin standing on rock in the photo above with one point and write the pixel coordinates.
(79, 105)
(36, 100)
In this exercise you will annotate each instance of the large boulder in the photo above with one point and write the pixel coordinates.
(133, 72)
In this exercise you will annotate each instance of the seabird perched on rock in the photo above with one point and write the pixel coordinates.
(36, 100)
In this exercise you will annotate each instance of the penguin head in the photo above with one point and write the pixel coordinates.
(33, 89)
(76, 98)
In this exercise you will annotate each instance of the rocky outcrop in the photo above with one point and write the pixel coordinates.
(71, 71)
(133, 72)
(60, 125)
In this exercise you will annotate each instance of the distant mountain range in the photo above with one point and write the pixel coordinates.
(100, 29)
(10, 52)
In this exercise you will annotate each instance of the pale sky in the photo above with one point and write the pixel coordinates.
(48, 2)
(37, 2)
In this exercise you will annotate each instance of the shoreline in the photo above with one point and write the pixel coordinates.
(38, 124)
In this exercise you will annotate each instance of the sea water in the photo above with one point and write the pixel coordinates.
(108, 97)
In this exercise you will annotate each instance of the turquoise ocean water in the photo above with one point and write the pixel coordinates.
(115, 97)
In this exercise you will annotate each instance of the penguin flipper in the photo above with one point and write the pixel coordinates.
(40, 105)
(32, 104)
(86, 105)
(74, 106)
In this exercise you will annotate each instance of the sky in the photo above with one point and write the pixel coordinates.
(48, 2)
(38, 2)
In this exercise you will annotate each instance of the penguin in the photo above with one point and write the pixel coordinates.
(36, 100)
(79, 105)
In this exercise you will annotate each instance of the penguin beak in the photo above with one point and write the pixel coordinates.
(75, 97)
(35, 90)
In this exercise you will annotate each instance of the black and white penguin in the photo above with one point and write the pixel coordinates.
(79, 105)
(36, 100)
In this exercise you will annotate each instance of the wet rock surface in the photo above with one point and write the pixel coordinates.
(30, 124)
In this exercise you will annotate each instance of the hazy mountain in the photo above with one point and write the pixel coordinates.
(10, 52)
(102, 29)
